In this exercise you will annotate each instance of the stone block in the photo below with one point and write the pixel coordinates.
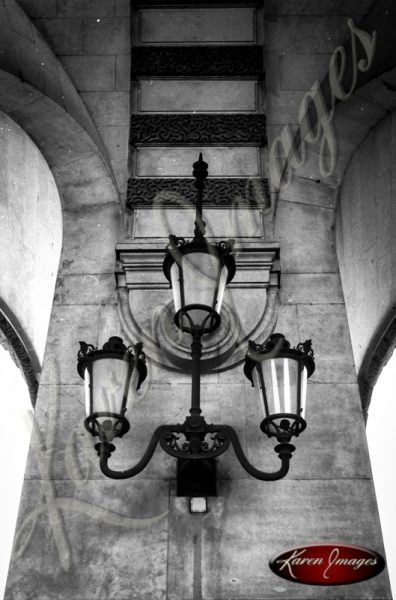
(85, 289)
(115, 138)
(299, 34)
(122, 525)
(123, 73)
(39, 8)
(309, 191)
(158, 95)
(283, 107)
(327, 326)
(236, 549)
(311, 288)
(68, 325)
(197, 25)
(107, 108)
(120, 170)
(107, 36)
(307, 238)
(81, 172)
(300, 71)
(91, 73)
(177, 161)
(122, 8)
(311, 7)
(378, 92)
(82, 229)
(98, 191)
(65, 35)
(157, 223)
(361, 110)
(85, 8)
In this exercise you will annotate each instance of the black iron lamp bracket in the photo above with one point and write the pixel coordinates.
(196, 448)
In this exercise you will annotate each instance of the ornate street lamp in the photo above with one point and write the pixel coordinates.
(198, 272)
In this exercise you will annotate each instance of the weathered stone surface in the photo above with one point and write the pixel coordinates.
(236, 549)
(303, 34)
(39, 8)
(91, 73)
(222, 223)
(309, 191)
(65, 35)
(85, 289)
(311, 288)
(300, 71)
(306, 235)
(327, 326)
(123, 69)
(30, 233)
(233, 161)
(107, 108)
(85, 8)
(196, 25)
(111, 36)
(311, 7)
(82, 229)
(68, 325)
(189, 96)
(131, 516)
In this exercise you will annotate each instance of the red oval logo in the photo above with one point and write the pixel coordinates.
(327, 564)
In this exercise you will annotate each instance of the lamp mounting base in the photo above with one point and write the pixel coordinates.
(196, 478)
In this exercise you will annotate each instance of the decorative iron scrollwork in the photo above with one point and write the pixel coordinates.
(197, 61)
(198, 129)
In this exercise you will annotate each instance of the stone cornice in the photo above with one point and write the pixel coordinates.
(239, 192)
(197, 61)
(198, 129)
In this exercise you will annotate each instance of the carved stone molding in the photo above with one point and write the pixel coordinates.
(12, 341)
(239, 192)
(196, 61)
(198, 129)
(250, 309)
(377, 355)
(167, 3)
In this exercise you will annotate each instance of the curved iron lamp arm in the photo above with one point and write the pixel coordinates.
(104, 450)
(284, 450)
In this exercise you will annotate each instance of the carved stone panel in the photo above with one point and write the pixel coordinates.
(198, 129)
(241, 192)
(195, 61)
(146, 307)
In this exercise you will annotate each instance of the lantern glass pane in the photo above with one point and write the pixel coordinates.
(304, 378)
(109, 378)
(175, 282)
(222, 287)
(281, 384)
(87, 388)
(257, 382)
(201, 275)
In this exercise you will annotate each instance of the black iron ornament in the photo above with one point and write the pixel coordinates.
(198, 272)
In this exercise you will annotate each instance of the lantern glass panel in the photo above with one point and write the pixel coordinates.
(200, 285)
(176, 285)
(281, 382)
(113, 388)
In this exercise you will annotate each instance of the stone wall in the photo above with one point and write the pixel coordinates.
(84, 537)
(365, 240)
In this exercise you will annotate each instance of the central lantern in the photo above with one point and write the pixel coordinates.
(198, 271)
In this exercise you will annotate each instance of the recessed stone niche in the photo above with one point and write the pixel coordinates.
(193, 95)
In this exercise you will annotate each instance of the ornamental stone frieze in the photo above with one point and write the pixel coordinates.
(145, 305)
(230, 61)
(252, 192)
(198, 129)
